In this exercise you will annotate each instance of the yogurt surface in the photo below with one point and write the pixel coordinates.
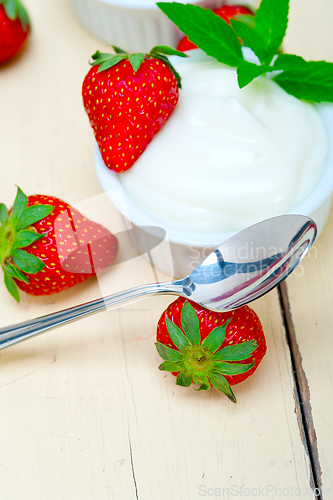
(228, 158)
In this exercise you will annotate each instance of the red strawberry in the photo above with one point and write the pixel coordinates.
(209, 348)
(227, 12)
(61, 247)
(14, 28)
(128, 98)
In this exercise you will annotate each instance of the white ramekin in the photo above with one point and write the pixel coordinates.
(189, 248)
(133, 25)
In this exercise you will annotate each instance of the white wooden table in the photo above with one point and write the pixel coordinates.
(85, 413)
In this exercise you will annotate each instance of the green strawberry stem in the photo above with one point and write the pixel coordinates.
(14, 9)
(203, 363)
(106, 61)
(16, 232)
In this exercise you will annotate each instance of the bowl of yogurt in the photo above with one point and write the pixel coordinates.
(227, 158)
(133, 25)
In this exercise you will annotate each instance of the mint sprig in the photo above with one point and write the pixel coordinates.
(309, 80)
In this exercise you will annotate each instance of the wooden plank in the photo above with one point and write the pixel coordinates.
(310, 290)
(85, 412)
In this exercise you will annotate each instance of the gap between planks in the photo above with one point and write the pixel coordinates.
(302, 394)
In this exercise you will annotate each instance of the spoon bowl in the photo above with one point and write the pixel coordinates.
(243, 268)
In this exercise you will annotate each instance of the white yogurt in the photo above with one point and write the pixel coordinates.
(228, 158)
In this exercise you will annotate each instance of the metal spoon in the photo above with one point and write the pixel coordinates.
(243, 268)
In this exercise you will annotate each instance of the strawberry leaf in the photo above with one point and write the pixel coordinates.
(203, 381)
(169, 51)
(10, 9)
(19, 206)
(136, 60)
(3, 213)
(171, 366)
(15, 273)
(216, 337)
(118, 50)
(184, 378)
(23, 15)
(106, 63)
(167, 353)
(207, 30)
(237, 352)
(176, 335)
(26, 238)
(221, 384)
(27, 262)
(190, 324)
(232, 368)
(33, 214)
(11, 287)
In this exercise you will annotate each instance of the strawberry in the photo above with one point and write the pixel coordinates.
(209, 348)
(227, 12)
(61, 247)
(14, 28)
(128, 98)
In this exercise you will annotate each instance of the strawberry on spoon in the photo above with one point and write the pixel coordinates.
(47, 246)
(14, 28)
(128, 98)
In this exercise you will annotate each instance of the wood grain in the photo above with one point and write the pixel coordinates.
(85, 412)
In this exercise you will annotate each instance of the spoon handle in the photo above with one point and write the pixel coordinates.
(10, 335)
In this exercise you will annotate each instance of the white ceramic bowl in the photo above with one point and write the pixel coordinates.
(189, 248)
(133, 25)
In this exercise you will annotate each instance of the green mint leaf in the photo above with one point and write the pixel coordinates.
(190, 324)
(216, 337)
(26, 238)
(221, 384)
(287, 62)
(118, 50)
(312, 81)
(20, 204)
(184, 378)
(33, 214)
(211, 33)
(11, 287)
(26, 262)
(136, 60)
(271, 23)
(167, 353)
(15, 273)
(246, 72)
(249, 37)
(176, 335)
(232, 368)
(171, 366)
(237, 352)
(203, 381)
(164, 49)
(247, 19)
(3, 213)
